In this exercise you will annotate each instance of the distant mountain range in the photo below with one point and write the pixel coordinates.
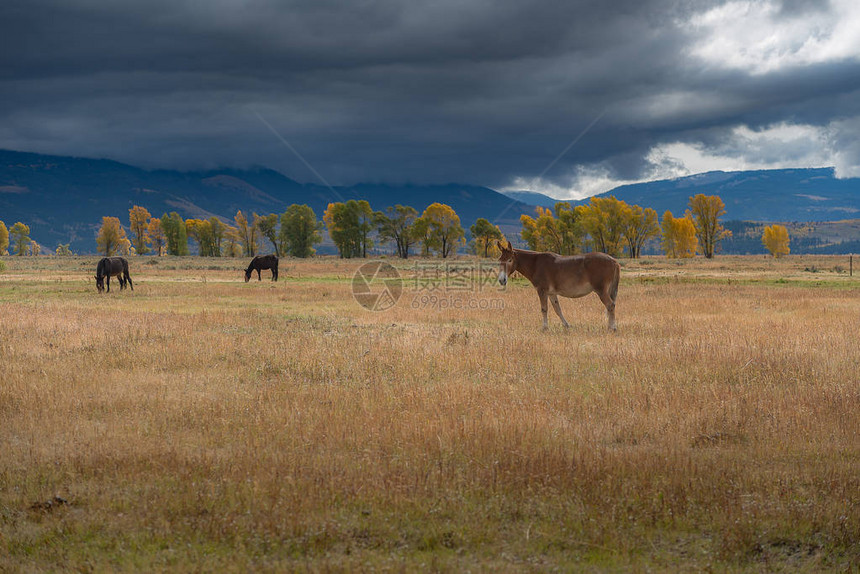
(813, 194)
(782, 195)
(63, 199)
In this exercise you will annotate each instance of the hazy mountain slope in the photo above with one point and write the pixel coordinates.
(768, 195)
(63, 199)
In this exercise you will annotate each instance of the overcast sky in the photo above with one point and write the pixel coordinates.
(570, 98)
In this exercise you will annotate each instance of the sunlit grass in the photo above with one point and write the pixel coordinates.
(200, 422)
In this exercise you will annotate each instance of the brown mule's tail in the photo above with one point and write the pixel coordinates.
(613, 288)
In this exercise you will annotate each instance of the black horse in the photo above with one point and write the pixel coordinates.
(112, 267)
(262, 262)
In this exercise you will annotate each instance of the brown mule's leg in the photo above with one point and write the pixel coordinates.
(610, 307)
(543, 308)
(557, 307)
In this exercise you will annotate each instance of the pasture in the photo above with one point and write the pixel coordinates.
(202, 423)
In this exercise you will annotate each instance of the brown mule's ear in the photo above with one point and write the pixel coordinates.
(510, 247)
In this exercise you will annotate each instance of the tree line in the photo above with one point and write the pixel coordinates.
(604, 224)
(294, 232)
(612, 226)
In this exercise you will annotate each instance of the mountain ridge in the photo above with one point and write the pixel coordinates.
(778, 195)
(64, 198)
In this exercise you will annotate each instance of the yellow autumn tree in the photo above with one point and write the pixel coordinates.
(557, 230)
(4, 238)
(232, 242)
(705, 211)
(603, 220)
(247, 234)
(156, 236)
(639, 225)
(486, 237)
(775, 239)
(125, 248)
(110, 236)
(679, 236)
(19, 235)
(138, 223)
(443, 225)
(540, 232)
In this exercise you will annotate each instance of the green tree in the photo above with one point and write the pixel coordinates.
(268, 226)
(219, 229)
(300, 231)
(364, 216)
(200, 230)
(110, 235)
(421, 233)
(19, 235)
(349, 226)
(342, 229)
(175, 233)
(485, 235)
(706, 211)
(4, 238)
(396, 225)
(443, 224)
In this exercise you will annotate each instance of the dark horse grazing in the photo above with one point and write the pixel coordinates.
(575, 276)
(112, 267)
(262, 262)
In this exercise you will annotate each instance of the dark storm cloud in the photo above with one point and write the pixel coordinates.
(469, 91)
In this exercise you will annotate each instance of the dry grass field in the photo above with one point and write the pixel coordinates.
(200, 423)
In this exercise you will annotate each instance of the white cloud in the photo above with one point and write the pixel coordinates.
(842, 136)
(585, 182)
(757, 37)
(775, 147)
(779, 146)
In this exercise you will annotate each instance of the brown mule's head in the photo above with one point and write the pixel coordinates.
(247, 274)
(507, 262)
(100, 283)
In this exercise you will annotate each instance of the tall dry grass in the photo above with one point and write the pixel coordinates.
(204, 423)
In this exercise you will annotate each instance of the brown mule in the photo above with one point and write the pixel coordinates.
(553, 275)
